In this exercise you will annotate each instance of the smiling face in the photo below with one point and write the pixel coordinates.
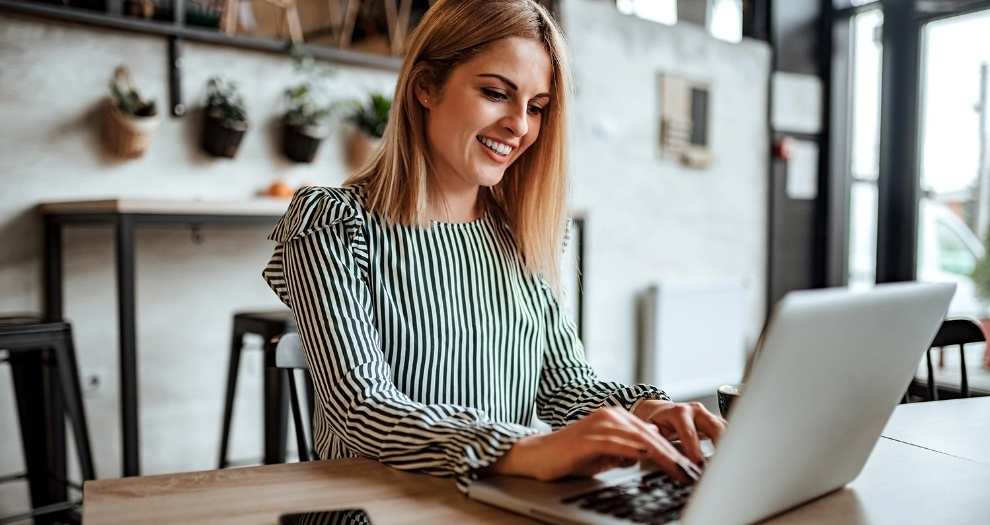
(487, 114)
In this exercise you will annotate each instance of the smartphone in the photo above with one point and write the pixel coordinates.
(326, 517)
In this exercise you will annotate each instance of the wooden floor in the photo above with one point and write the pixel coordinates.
(949, 373)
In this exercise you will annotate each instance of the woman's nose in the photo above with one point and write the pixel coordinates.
(516, 121)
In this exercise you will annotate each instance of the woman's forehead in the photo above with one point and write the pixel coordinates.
(525, 62)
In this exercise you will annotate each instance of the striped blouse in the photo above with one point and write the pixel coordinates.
(430, 349)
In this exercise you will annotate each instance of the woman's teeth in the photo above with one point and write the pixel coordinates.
(499, 148)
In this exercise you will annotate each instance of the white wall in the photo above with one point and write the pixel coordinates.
(647, 218)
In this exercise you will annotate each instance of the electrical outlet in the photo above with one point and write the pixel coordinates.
(94, 381)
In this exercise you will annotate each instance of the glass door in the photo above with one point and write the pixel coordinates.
(953, 154)
(954, 175)
(956, 202)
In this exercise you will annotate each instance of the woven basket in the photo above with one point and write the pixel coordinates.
(127, 136)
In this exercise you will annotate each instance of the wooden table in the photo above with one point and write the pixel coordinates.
(126, 216)
(901, 483)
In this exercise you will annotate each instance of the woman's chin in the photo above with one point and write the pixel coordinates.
(488, 180)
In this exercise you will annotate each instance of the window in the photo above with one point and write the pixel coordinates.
(725, 20)
(864, 165)
(662, 11)
(953, 254)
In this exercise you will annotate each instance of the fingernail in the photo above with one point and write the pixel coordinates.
(690, 470)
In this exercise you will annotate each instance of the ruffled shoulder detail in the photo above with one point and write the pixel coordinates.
(315, 208)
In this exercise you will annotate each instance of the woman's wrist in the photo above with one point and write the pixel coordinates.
(646, 407)
(513, 462)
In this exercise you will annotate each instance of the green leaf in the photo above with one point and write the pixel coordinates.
(373, 117)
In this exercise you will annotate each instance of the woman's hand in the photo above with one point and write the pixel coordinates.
(605, 439)
(688, 422)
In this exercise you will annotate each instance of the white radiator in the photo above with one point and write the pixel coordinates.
(691, 337)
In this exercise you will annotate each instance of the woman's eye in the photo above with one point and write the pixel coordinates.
(535, 110)
(494, 95)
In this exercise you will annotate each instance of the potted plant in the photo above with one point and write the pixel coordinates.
(131, 121)
(370, 120)
(225, 118)
(308, 108)
(981, 282)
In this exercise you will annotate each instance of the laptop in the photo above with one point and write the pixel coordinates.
(831, 366)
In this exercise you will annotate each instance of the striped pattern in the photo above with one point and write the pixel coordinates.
(430, 349)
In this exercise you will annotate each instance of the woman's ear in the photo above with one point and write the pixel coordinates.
(424, 96)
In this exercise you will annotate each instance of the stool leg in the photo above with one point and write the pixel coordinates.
(65, 357)
(276, 414)
(311, 411)
(964, 385)
(32, 410)
(236, 343)
(297, 415)
(932, 393)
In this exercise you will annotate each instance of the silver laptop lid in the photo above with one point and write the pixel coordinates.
(831, 367)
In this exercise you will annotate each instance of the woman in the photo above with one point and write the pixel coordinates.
(425, 289)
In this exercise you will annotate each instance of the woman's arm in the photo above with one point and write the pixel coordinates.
(592, 437)
(323, 276)
(569, 388)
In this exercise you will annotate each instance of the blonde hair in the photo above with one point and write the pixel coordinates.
(531, 197)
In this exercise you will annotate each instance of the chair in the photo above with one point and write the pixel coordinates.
(268, 325)
(289, 357)
(953, 332)
(46, 388)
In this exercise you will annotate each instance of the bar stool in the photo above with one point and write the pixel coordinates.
(268, 325)
(46, 387)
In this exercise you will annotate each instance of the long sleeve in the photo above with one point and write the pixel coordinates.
(569, 389)
(320, 269)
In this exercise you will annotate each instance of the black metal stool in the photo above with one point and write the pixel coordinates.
(268, 325)
(46, 384)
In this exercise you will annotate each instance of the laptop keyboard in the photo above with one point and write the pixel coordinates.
(654, 498)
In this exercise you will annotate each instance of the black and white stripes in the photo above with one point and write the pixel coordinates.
(429, 348)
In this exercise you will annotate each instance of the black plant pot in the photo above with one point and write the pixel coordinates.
(300, 143)
(219, 138)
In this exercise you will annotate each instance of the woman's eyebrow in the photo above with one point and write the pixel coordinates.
(511, 84)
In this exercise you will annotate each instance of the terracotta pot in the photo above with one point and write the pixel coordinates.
(220, 138)
(360, 148)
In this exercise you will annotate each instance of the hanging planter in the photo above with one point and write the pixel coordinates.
(308, 108)
(130, 122)
(224, 119)
(300, 142)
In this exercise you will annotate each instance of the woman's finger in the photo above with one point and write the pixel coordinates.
(613, 445)
(682, 419)
(664, 454)
(631, 433)
(710, 425)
